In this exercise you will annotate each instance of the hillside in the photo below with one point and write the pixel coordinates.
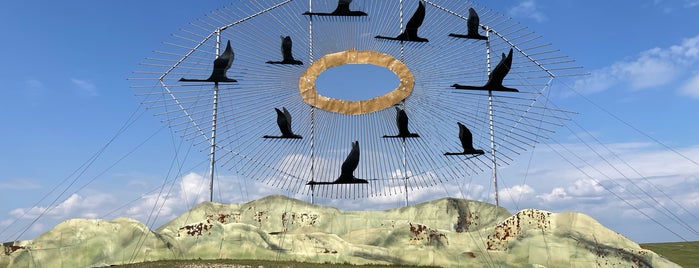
(445, 232)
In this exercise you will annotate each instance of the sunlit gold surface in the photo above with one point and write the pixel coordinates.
(309, 93)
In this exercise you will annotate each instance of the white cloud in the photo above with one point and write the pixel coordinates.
(19, 184)
(517, 192)
(557, 194)
(552, 184)
(527, 9)
(691, 201)
(189, 192)
(586, 188)
(85, 87)
(691, 87)
(649, 69)
(6, 222)
(33, 84)
(75, 206)
(672, 5)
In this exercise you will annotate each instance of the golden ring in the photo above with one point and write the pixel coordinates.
(309, 93)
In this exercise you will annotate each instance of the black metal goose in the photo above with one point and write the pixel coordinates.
(410, 32)
(221, 65)
(402, 123)
(472, 25)
(284, 123)
(287, 57)
(466, 139)
(343, 9)
(496, 77)
(347, 169)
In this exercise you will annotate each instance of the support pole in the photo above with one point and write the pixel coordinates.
(405, 166)
(310, 58)
(214, 114)
(402, 58)
(490, 124)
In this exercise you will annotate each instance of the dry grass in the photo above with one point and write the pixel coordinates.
(247, 264)
(686, 254)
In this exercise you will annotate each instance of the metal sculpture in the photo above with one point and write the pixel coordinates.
(466, 139)
(343, 9)
(284, 123)
(472, 25)
(410, 32)
(426, 72)
(496, 78)
(221, 65)
(348, 166)
(402, 124)
(287, 56)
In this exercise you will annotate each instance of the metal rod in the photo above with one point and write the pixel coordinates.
(214, 114)
(402, 58)
(312, 115)
(405, 165)
(490, 123)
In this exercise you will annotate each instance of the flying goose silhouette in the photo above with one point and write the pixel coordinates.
(496, 77)
(402, 123)
(284, 123)
(410, 32)
(343, 9)
(221, 65)
(287, 57)
(347, 169)
(472, 25)
(466, 139)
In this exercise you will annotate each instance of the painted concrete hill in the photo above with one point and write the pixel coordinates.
(446, 232)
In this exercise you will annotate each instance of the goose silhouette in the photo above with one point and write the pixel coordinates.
(221, 65)
(284, 123)
(343, 9)
(410, 32)
(347, 169)
(472, 25)
(496, 77)
(287, 57)
(466, 139)
(402, 123)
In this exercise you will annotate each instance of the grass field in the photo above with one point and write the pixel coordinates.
(686, 254)
(246, 263)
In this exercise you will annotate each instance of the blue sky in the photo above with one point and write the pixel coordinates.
(65, 95)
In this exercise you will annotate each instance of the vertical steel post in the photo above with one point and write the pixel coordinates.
(214, 114)
(490, 122)
(402, 58)
(310, 59)
(405, 166)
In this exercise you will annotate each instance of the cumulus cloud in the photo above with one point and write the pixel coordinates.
(527, 9)
(75, 206)
(554, 185)
(168, 204)
(557, 194)
(652, 68)
(586, 188)
(517, 192)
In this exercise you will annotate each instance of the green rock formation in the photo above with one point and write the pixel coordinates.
(446, 232)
